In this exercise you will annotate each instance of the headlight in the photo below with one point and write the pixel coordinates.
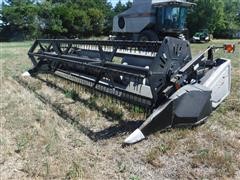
(197, 38)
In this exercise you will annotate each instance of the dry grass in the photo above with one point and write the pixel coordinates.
(221, 161)
(49, 133)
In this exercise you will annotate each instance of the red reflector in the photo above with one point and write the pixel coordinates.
(178, 86)
(230, 48)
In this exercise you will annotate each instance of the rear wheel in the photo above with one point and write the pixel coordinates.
(148, 35)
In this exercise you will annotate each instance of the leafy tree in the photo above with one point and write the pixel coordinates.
(207, 14)
(96, 20)
(54, 18)
(108, 21)
(50, 22)
(220, 17)
(20, 18)
(75, 18)
(231, 16)
(119, 8)
(128, 4)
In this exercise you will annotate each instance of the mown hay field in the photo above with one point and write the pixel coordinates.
(49, 132)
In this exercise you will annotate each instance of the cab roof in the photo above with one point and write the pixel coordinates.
(164, 2)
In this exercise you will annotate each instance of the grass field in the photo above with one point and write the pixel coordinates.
(47, 133)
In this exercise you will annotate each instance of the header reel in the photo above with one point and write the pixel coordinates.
(159, 76)
(135, 72)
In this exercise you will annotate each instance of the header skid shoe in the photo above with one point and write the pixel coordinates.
(161, 77)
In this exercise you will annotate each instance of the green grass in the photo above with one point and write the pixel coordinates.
(71, 94)
(13, 57)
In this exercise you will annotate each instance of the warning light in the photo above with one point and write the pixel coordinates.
(177, 86)
(230, 48)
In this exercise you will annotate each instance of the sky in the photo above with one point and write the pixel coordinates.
(112, 1)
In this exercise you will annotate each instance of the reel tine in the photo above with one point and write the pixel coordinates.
(80, 86)
(128, 80)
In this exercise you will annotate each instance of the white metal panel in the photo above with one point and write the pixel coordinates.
(220, 83)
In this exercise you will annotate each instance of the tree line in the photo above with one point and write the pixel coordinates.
(29, 19)
(220, 17)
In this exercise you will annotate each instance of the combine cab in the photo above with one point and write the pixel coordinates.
(152, 20)
(161, 77)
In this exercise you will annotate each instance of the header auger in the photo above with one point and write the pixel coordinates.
(161, 77)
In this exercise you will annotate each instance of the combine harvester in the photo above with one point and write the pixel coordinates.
(159, 76)
(152, 20)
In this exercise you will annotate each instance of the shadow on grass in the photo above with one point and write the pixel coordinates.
(124, 126)
(90, 103)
